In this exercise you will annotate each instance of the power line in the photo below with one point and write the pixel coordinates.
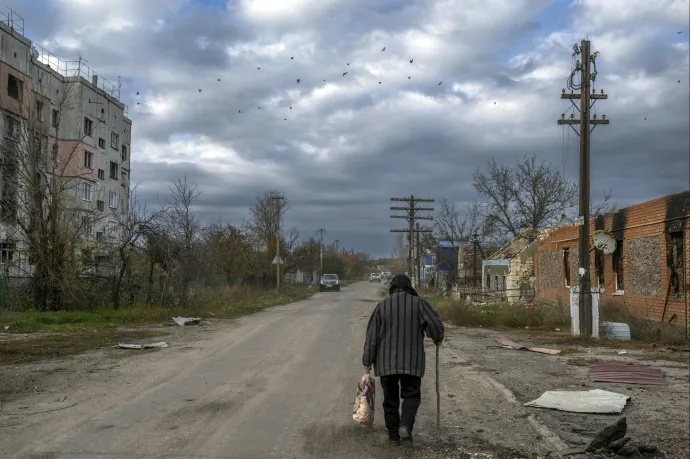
(411, 217)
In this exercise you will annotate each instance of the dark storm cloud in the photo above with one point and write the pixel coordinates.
(350, 143)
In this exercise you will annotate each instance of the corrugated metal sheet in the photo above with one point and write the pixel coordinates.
(630, 374)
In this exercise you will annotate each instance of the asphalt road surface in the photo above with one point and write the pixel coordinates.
(276, 384)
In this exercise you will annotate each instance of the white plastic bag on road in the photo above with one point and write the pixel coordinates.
(363, 411)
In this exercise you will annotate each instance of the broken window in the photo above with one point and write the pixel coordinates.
(617, 261)
(55, 118)
(11, 128)
(39, 111)
(101, 174)
(6, 251)
(566, 266)
(496, 283)
(88, 159)
(15, 87)
(115, 140)
(488, 281)
(88, 127)
(101, 143)
(504, 284)
(113, 170)
(124, 152)
(676, 264)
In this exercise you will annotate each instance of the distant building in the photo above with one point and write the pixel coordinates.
(81, 118)
(510, 270)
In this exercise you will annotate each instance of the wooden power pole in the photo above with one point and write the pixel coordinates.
(321, 230)
(411, 217)
(587, 98)
(277, 259)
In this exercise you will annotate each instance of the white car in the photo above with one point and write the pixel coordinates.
(330, 282)
(374, 277)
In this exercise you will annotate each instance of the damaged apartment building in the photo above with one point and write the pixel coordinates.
(648, 270)
(61, 123)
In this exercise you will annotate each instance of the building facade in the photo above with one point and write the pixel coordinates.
(647, 272)
(73, 127)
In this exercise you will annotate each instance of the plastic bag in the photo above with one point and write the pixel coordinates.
(363, 411)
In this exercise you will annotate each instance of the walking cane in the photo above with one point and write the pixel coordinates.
(438, 399)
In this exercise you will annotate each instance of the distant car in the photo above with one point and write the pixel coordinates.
(329, 282)
(375, 277)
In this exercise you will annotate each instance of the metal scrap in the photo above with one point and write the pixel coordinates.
(631, 374)
(187, 320)
(143, 346)
(592, 401)
(508, 344)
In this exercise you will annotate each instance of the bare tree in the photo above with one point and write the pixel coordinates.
(605, 206)
(130, 229)
(400, 254)
(530, 195)
(184, 228)
(453, 225)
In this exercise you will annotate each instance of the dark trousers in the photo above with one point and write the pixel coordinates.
(396, 387)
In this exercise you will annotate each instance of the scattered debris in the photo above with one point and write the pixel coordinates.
(608, 435)
(143, 346)
(622, 352)
(612, 439)
(187, 320)
(618, 373)
(508, 344)
(592, 401)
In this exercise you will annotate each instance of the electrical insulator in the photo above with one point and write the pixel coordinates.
(572, 116)
(602, 92)
(603, 117)
(595, 116)
(562, 116)
(563, 90)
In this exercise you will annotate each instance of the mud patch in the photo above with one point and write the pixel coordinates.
(330, 441)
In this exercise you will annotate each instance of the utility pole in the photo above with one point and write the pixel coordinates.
(337, 247)
(418, 260)
(587, 77)
(277, 259)
(321, 230)
(411, 216)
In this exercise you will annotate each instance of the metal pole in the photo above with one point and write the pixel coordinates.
(411, 239)
(585, 298)
(278, 249)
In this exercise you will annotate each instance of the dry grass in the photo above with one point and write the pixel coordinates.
(62, 333)
(538, 323)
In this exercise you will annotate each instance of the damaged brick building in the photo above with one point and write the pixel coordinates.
(647, 272)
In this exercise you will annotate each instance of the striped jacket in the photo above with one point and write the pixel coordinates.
(395, 335)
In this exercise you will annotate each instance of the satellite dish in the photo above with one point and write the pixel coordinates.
(604, 242)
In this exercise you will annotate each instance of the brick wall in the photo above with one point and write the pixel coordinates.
(644, 232)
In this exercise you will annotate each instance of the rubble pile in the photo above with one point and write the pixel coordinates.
(612, 440)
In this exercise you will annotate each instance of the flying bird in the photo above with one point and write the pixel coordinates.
(678, 81)
(411, 60)
(679, 32)
(137, 103)
(439, 83)
(259, 108)
(494, 103)
(285, 119)
(137, 93)
(218, 79)
(292, 57)
(348, 63)
(379, 82)
(258, 68)
(384, 48)
(290, 108)
(239, 111)
(344, 73)
(298, 80)
(409, 78)
(199, 90)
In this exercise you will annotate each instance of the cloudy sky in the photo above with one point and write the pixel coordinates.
(349, 143)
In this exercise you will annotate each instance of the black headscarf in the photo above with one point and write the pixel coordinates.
(402, 282)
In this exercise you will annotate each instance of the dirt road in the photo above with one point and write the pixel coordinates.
(277, 384)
